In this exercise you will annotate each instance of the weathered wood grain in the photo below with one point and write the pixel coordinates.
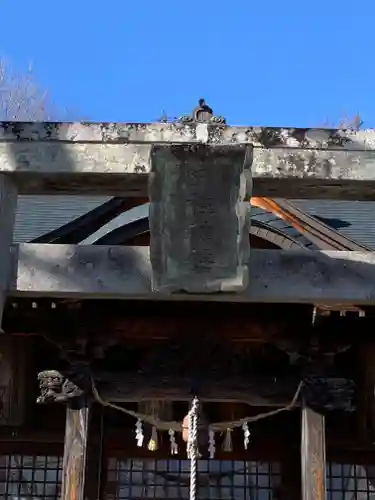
(114, 159)
(86, 271)
(8, 206)
(132, 388)
(257, 391)
(313, 459)
(15, 386)
(75, 451)
(366, 394)
(95, 460)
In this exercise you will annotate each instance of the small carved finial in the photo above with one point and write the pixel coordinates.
(204, 114)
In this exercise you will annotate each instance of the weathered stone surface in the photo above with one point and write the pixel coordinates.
(119, 169)
(71, 168)
(114, 159)
(89, 271)
(314, 174)
(199, 218)
(80, 158)
(177, 132)
(314, 164)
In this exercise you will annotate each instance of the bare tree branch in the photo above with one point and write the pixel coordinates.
(346, 123)
(22, 99)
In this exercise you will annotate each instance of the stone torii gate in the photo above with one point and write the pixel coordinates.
(198, 176)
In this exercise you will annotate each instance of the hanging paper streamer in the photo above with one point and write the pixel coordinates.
(172, 440)
(246, 432)
(153, 444)
(227, 444)
(139, 433)
(211, 443)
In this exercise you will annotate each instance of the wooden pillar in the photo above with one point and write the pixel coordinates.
(14, 380)
(75, 449)
(365, 393)
(8, 206)
(79, 433)
(14, 390)
(313, 466)
(95, 469)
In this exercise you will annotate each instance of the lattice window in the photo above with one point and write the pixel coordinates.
(169, 479)
(30, 477)
(27, 477)
(350, 482)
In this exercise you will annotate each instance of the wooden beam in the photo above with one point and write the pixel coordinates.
(8, 205)
(130, 388)
(116, 158)
(94, 462)
(313, 459)
(75, 450)
(93, 272)
(126, 323)
(255, 391)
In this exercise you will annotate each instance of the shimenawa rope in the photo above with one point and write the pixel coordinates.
(177, 426)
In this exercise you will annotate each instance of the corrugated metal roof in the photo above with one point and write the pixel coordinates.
(353, 219)
(280, 224)
(38, 215)
(256, 213)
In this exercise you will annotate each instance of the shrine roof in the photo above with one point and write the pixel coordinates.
(39, 215)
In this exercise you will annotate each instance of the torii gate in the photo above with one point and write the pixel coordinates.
(198, 176)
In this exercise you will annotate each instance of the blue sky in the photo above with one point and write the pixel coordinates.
(288, 62)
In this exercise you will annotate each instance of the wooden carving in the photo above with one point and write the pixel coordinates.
(58, 387)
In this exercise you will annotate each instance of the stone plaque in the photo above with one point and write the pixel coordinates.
(200, 218)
